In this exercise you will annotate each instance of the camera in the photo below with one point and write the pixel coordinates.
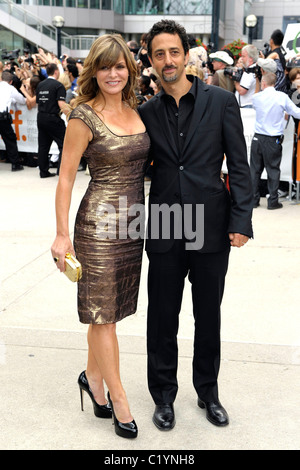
(12, 55)
(256, 70)
(267, 49)
(235, 73)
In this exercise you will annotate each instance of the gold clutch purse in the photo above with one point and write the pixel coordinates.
(73, 269)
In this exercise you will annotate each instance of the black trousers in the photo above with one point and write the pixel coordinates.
(50, 128)
(266, 152)
(10, 141)
(167, 271)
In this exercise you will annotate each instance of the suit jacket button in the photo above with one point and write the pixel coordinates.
(181, 168)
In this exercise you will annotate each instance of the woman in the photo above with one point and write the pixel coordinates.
(105, 128)
(29, 91)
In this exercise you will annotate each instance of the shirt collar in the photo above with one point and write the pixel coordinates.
(192, 91)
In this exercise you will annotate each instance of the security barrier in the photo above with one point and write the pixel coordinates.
(25, 125)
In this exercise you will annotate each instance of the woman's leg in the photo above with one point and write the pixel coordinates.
(95, 378)
(104, 351)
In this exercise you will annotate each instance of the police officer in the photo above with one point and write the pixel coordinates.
(50, 97)
(9, 95)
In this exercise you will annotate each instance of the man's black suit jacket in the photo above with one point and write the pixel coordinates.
(194, 176)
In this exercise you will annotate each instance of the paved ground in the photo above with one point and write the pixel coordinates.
(43, 346)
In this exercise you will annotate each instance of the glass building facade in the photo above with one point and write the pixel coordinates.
(133, 7)
(128, 17)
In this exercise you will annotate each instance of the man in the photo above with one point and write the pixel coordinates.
(221, 60)
(79, 65)
(267, 65)
(266, 147)
(50, 97)
(191, 126)
(275, 42)
(145, 88)
(134, 48)
(245, 89)
(277, 55)
(73, 73)
(9, 95)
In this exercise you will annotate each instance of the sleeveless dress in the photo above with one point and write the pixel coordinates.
(110, 258)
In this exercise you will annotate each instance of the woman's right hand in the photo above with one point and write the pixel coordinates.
(61, 245)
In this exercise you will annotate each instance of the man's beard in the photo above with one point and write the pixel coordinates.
(170, 79)
(166, 78)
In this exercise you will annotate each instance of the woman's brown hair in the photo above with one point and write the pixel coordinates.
(105, 51)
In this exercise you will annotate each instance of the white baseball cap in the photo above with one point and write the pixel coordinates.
(268, 65)
(222, 56)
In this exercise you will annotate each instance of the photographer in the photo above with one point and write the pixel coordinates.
(245, 89)
(275, 45)
(266, 148)
(9, 95)
(221, 60)
(276, 54)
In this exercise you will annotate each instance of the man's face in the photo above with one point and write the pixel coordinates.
(218, 65)
(246, 59)
(168, 58)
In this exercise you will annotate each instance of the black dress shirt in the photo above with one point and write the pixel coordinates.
(179, 118)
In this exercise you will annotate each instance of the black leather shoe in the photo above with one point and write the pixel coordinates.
(17, 167)
(164, 417)
(215, 413)
(276, 206)
(47, 175)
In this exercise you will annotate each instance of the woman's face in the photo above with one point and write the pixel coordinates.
(112, 80)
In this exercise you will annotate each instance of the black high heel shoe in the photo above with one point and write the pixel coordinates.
(101, 411)
(127, 430)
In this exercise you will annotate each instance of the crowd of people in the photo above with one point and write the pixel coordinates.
(241, 76)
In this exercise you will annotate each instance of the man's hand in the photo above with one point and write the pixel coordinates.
(236, 239)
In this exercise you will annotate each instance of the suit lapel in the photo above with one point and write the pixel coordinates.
(164, 122)
(199, 109)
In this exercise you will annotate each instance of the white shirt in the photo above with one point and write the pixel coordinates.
(8, 96)
(248, 81)
(270, 106)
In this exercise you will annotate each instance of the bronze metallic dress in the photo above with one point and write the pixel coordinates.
(109, 253)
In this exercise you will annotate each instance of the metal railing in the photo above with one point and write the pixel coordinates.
(77, 42)
(18, 12)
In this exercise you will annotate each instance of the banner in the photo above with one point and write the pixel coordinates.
(25, 126)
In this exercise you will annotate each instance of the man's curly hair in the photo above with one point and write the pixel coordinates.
(170, 27)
